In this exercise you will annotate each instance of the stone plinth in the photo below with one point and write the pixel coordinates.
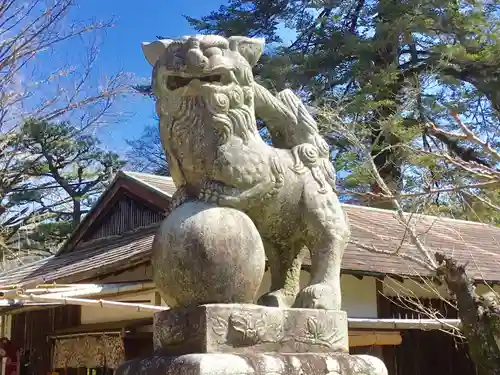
(241, 328)
(255, 364)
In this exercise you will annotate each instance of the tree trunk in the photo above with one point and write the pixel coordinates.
(77, 212)
(480, 317)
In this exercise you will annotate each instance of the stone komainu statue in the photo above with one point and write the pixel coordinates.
(207, 101)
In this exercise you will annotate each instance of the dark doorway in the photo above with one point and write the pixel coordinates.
(429, 353)
(425, 352)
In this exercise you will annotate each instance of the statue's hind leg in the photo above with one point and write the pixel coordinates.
(285, 264)
(328, 234)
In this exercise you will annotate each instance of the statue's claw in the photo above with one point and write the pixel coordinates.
(210, 192)
(318, 175)
(316, 296)
(298, 166)
(218, 193)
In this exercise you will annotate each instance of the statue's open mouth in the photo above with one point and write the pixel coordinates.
(176, 82)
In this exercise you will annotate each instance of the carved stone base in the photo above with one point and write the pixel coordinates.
(255, 364)
(241, 328)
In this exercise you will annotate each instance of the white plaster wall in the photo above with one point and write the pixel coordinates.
(412, 288)
(142, 273)
(359, 297)
(481, 289)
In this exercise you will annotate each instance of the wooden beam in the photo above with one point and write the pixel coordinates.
(113, 268)
(106, 326)
(157, 301)
(400, 324)
(374, 338)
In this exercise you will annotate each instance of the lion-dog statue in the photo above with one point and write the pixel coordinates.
(207, 101)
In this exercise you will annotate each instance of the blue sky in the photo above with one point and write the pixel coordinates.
(137, 22)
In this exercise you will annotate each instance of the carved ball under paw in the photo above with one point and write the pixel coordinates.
(203, 253)
(316, 296)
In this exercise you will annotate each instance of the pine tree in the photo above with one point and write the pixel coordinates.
(63, 171)
(392, 68)
(72, 91)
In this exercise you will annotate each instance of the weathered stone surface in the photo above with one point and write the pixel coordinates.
(239, 328)
(203, 253)
(255, 364)
(207, 101)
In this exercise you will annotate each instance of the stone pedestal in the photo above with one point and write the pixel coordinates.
(255, 364)
(239, 339)
(245, 328)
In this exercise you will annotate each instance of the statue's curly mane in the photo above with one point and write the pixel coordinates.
(230, 107)
(239, 122)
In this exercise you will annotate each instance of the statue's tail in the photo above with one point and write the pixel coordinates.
(329, 172)
(294, 103)
(309, 133)
(306, 128)
(295, 129)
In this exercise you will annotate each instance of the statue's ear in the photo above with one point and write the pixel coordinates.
(250, 48)
(152, 51)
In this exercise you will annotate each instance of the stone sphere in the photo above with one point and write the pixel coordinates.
(203, 253)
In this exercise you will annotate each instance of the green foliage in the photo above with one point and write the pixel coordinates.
(57, 174)
(32, 31)
(391, 68)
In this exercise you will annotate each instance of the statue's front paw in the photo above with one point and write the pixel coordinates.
(209, 193)
(317, 296)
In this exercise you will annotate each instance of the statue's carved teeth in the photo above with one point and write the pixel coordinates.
(176, 82)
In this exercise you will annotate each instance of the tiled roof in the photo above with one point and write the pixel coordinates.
(162, 184)
(100, 258)
(375, 231)
(375, 234)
